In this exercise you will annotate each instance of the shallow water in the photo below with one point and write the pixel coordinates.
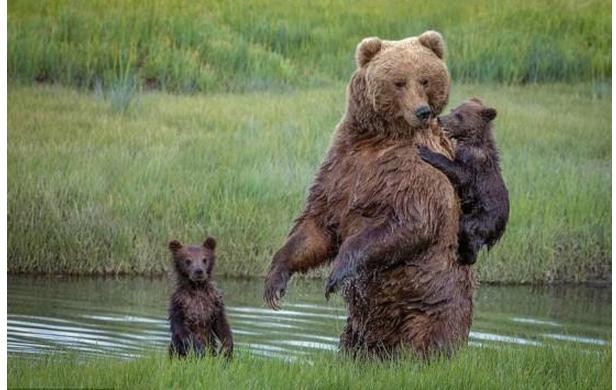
(126, 316)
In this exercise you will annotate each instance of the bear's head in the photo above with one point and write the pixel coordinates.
(469, 122)
(194, 263)
(404, 83)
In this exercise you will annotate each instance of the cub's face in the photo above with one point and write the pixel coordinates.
(406, 79)
(468, 121)
(194, 262)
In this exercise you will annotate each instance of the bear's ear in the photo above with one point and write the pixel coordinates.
(174, 246)
(209, 243)
(476, 100)
(367, 49)
(488, 114)
(433, 41)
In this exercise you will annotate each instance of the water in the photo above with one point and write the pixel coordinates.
(126, 316)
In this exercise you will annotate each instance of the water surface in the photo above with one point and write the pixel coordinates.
(125, 316)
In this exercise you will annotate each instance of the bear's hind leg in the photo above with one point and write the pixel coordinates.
(470, 240)
(349, 340)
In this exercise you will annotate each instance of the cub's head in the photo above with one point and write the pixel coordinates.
(194, 263)
(405, 80)
(468, 122)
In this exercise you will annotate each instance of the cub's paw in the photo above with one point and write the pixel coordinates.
(425, 153)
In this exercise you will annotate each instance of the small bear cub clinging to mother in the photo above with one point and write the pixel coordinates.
(197, 312)
(475, 173)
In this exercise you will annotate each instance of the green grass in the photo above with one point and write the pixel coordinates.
(95, 191)
(477, 368)
(224, 46)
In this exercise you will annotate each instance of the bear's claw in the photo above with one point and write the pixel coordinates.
(273, 298)
(274, 291)
(335, 280)
(330, 288)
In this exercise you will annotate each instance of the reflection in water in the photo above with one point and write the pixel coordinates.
(123, 317)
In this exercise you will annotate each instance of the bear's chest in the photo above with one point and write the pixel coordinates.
(376, 173)
(368, 181)
(198, 309)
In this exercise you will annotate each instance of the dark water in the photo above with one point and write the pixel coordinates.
(124, 317)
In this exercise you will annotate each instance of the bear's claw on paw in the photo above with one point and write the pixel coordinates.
(330, 288)
(273, 300)
(275, 288)
(333, 283)
(341, 271)
(273, 296)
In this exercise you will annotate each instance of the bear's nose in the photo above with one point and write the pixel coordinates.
(199, 272)
(423, 113)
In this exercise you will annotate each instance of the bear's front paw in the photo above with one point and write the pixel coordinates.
(275, 288)
(336, 278)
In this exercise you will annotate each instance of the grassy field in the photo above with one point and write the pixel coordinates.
(224, 46)
(93, 191)
(477, 368)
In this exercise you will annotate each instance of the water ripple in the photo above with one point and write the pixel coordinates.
(123, 318)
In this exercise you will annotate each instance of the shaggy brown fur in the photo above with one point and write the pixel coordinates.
(197, 311)
(475, 173)
(386, 219)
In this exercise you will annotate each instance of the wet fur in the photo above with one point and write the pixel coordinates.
(387, 220)
(475, 173)
(197, 311)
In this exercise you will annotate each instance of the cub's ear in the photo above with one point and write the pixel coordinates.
(488, 113)
(434, 41)
(366, 50)
(476, 100)
(174, 246)
(209, 243)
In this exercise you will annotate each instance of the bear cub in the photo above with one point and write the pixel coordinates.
(475, 173)
(197, 311)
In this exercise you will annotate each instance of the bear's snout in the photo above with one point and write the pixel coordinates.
(442, 122)
(423, 113)
(197, 274)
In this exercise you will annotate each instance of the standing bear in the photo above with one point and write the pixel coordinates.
(387, 219)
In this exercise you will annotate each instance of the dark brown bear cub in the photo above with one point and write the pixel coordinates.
(197, 311)
(475, 173)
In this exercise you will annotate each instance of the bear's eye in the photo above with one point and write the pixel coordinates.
(400, 83)
(187, 261)
(424, 83)
(459, 116)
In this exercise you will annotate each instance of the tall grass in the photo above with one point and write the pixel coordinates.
(91, 191)
(477, 368)
(227, 46)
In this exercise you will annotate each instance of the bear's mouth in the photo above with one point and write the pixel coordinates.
(449, 133)
(198, 278)
(453, 137)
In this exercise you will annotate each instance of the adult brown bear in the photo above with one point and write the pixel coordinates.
(388, 220)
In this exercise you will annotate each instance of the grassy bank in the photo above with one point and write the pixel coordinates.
(93, 191)
(224, 46)
(477, 368)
